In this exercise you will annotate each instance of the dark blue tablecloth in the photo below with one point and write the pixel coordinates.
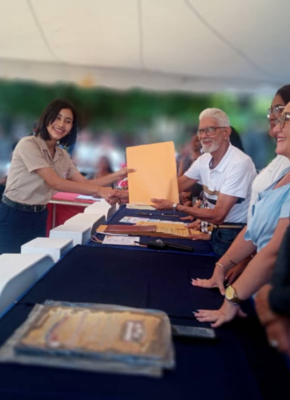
(199, 246)
(237, 365)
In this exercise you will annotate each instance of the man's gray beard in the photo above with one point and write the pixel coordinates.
(211, 148)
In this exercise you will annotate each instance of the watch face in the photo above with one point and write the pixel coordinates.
(230, 293)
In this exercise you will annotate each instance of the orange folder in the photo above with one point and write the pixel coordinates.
(156, 175)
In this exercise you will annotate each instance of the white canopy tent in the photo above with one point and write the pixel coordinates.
(188, 45)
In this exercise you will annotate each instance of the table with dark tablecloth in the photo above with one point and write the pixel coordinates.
(237, 365)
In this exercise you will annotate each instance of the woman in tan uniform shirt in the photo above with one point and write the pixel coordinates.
(39, 168)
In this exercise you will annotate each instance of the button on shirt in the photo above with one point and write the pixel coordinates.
(233, 176)
(24, 184)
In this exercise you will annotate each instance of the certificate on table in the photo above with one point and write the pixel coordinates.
(156, 173)
(122, 240)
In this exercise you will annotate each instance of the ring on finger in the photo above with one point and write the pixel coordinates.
(273, 343)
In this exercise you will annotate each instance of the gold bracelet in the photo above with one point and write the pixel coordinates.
(221, 265)
(231, 261)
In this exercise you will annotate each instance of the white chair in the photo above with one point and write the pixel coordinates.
(56, 248)
(79, 234)
(18, 272)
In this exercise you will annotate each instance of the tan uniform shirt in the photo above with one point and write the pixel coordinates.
(24, 184)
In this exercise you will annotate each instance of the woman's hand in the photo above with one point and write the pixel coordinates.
(216, 281)
(161, 204)
(106, 193)
(226, 313)
(277, 326)
(263, 309)
(233, 274)
(278, 334)
(122, 173)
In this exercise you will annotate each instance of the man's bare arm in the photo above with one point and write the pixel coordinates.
(214, 215)
(185, 183)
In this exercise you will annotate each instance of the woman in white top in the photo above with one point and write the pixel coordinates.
(229, 260)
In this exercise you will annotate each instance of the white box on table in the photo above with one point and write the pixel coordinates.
(56, 248)
(79, 233)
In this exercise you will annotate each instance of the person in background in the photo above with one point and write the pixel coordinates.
(104, 168)
(265, 230)
(190, 153)
(39, 168)
(187, 159)
(236, 140)
(273, 301)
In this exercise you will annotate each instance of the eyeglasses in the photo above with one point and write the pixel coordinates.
(210, 130)
(276, 110)
(282, 119)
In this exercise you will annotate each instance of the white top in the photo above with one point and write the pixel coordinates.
(233, 176)
(266, 177)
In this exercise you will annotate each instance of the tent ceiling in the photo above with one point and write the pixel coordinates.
(194, 45)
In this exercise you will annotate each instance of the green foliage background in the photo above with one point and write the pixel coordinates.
(126, 112)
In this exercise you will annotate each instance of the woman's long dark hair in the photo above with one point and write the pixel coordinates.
(50, 114)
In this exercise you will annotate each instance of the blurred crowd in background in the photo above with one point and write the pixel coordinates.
(112, 121)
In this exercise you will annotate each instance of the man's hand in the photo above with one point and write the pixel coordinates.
(185, 199)
(187, 218)
(200, 236)
(120, 196)
(226, 313)
(217, 280)
(106, 193)
(161, 204)
(195, 225)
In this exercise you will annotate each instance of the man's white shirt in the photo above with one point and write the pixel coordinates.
(233, 176)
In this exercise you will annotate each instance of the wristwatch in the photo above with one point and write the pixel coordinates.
(231, 295)
(174, 206)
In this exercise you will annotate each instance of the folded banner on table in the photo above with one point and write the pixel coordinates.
(147, 229)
